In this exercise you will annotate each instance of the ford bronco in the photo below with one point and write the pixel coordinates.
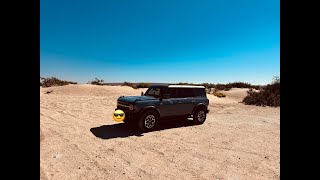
(164, 101)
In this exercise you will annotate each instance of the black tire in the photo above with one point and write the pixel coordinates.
(200, 116)
(148, 121)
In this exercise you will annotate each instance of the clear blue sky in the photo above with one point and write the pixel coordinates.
(214, 41)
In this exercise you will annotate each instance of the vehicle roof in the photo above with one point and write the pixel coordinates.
(175, 86)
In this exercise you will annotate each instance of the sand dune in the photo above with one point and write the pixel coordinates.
(80, 140)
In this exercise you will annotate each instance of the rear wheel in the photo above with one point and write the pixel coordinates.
(148, 121)
(200, 116)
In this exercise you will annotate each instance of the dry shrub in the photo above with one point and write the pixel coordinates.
(268, 95)
(96, 81)
(130, 85)
(143, 85)
(52, 81)
(218, 94)
(224, 87)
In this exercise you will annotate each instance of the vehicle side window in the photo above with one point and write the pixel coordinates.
(179, 93)
(185, 92)
(162, 91)
(172, 92)
(154, 91)
(188, 92)
(199, 92)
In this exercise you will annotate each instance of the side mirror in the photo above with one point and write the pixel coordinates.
(166, 96)
(141, 93)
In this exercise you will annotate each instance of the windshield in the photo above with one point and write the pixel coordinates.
(155, 91)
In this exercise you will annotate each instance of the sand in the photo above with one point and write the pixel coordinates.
(80, 140)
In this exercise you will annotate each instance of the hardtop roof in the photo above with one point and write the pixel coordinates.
(175, 86)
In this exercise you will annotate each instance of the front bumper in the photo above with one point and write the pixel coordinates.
(128, 114)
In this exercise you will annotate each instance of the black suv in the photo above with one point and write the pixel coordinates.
(164, 102)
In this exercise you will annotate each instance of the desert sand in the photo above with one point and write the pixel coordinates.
(80, 140)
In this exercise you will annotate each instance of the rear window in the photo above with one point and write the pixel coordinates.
(175, 92)
(186, 92)
(200, 92)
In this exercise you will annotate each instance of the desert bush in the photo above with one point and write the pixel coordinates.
(218, 94)
(267, 96)
(220, 87)
(225, 87)
(130, 85)
(53, 81)
(186, 83)
(182, 83)
(207, 85)
(143, 85)
(242, 85)
(210, 90)
(96, 81)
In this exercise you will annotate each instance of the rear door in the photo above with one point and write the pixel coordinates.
(174, 105)
(200, 96)
(188, 102)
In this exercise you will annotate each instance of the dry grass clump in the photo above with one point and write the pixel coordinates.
(218, 94)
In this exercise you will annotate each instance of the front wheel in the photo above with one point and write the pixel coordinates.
(200, 116)
(148, 121)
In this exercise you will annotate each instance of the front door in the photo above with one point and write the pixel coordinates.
(175, 106)
(166, 107)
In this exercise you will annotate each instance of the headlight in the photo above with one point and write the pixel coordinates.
(131, 106)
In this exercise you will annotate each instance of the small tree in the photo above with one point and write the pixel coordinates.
(97, 81)
(275, 79)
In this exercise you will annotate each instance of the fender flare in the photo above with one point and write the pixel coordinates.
(149, 108)
(200, 105)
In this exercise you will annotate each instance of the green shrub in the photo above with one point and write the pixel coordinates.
(53, 81)
(143, 85)
(268, 95)
(228, 86)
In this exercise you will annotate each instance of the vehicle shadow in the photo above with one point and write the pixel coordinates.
(122, 130)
